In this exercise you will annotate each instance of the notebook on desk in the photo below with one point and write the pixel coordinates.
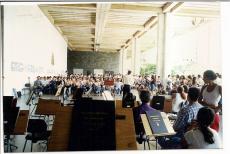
(159, 123)
(93, 126)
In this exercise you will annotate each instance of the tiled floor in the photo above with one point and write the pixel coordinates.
(19, 140)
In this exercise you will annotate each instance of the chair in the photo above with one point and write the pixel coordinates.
(158, 102)
(37, 131)
(139, 129)
(10, 118)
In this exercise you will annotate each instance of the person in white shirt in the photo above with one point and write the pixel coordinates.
(178, 99)
(202, 136)
(128, 82)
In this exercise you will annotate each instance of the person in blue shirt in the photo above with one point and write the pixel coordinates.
(184, 119)
(145, 98)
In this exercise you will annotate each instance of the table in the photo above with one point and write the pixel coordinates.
(21, 123)
(148, 130)
(125, 129)
(47, 106)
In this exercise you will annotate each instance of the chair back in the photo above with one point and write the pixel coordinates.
(139, 128)
(158, 102)
(36, 126)
(7, 102)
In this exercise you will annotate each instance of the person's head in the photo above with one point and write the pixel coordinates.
(205, 118)
(180, 89)
(129, 72)
(209, 76)
(145, 96)
(193, 94)
(194, 82)
(185, 88)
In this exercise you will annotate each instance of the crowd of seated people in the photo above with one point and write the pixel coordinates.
(197, 122)
(189, 94)
(96, 83)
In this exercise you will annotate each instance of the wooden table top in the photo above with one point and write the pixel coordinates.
(47, 106)
(21, 123)
(125, 130)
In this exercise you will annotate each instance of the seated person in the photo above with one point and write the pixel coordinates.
(137, 111)
(202, 136)
(184, 119)
(38, 86)
(178, 99)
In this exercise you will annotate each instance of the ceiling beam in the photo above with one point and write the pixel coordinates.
(101, 17)
(70, 6)
(198, 13)
(71, 23)
(46, 13)
(135, 8)
(148, 25)
(171, 6)
(177, 7)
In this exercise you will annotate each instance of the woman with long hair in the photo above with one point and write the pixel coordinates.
(202, 136)
(210, 95)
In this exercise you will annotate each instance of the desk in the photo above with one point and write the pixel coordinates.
(148, 130)
(47, 107)
(60, 133)
(21, 123)
(125, 130)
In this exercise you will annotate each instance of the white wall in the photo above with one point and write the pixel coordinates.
(200, 46)
(29, 42)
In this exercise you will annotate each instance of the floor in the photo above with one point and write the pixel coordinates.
(19, 140)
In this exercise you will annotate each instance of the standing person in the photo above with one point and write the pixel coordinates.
(128, 82)
(202, 136)
(210, 96)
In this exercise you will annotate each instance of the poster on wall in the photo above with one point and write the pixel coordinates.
(98, 71)
(77, 71)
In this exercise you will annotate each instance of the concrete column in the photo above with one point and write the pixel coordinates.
(136, 65)
(163, 46)
(1, 52)
(121, 61)
(124, 59)
(133, 55)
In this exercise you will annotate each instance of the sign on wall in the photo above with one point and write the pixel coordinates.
(98, 71)
(77, 71)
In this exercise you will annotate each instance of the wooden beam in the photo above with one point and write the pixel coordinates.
(135, 8)
(45, 11)
(177, 7)
(120, 26)
(168, 6)
(70, 23)
(198, 13)
(70, 6)
(148, 24)
(83, 46)
(101, 17)
(171, 6)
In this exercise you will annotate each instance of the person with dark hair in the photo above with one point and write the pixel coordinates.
(145, 98)
(178, 99)
(202, 136)
(210, 95)
(189, 112)
(183, 121)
